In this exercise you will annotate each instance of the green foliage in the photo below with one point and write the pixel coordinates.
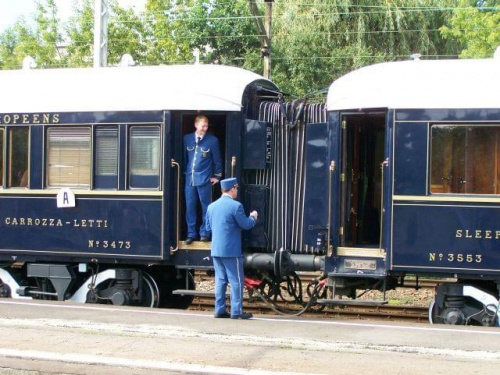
(9, 41)
(476, 28)
(126, 34)
(316, 41)
(81, 35)
(223, 31)
(164, 46)
(41, 43)
(313, 41)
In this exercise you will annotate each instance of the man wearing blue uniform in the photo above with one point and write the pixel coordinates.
(202, 169)
(226, 218)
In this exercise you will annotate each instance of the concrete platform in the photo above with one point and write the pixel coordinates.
(53, 337)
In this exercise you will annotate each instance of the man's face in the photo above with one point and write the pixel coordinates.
(234, 192)
(201, 127)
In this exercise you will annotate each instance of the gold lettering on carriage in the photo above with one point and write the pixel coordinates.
(478, 234)
(29, 118)
(109, 244)
(459, 257)
(52, 222)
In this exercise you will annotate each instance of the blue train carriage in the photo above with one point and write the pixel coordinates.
(91, 184)
(412, 165)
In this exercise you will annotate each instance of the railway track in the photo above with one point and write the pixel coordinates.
(400, 309)
(384, 312)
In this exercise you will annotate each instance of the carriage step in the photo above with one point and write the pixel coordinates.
(196, 293)
(348, 302)
(196, 245)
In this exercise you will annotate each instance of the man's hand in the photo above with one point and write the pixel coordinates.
(213, 180)
(254, 214)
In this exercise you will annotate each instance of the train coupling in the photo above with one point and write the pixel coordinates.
(251, 284)
(284, 263)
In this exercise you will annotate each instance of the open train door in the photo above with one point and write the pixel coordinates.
(320, 195)
(363, 151)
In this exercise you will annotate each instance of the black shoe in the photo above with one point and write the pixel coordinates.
(242, 316)
(205, 239)
(223, 315)
(189, 240)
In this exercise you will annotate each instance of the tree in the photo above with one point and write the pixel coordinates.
(315, 41)
(475, 25)
(125, 34)
(41, 43)
(47, 34)
(223, 31)
(163, 44)
(9, 41)
(81, 35)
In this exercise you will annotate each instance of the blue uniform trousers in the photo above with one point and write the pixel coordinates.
(193, 193)
(230, 270)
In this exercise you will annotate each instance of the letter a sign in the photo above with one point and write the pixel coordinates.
(65, 198)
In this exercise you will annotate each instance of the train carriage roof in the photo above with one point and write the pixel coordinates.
(419, 84)
(173, 87)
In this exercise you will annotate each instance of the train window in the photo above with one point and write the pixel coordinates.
(68, 157)
(106, 158)
(2, 132)
(465, 159)
(144, 157)
(18, 159)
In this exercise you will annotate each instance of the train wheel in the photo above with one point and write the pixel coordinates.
(4, 290)
(434, 317)
(471, 312)
(109, 290)
(454, 315)
(150, 291)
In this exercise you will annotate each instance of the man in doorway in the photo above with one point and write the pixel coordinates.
(202, 169)
(226, 218)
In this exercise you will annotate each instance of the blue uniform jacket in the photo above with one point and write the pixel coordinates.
(226, 218)
(201, 161)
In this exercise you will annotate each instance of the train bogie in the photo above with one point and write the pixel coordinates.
(464, 303)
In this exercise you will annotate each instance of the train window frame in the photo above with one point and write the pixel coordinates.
(17, 157)
(147, 181)
(84, 173)
(106, 151)
(460, 160)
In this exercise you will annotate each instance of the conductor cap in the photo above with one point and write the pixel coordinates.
(228, 183)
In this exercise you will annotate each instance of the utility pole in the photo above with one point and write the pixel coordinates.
(264, 32)
(101, 14)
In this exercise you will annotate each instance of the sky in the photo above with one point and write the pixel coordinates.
(11, 10)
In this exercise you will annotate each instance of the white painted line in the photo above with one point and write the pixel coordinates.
(294, 343)
(432, 328)
(130, 363)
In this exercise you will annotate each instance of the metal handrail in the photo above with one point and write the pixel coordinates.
(233, 165)
(385, 163)
(329, 249)
(174, 164)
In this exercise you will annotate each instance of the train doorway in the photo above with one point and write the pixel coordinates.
(363, 150)
(217, 127)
